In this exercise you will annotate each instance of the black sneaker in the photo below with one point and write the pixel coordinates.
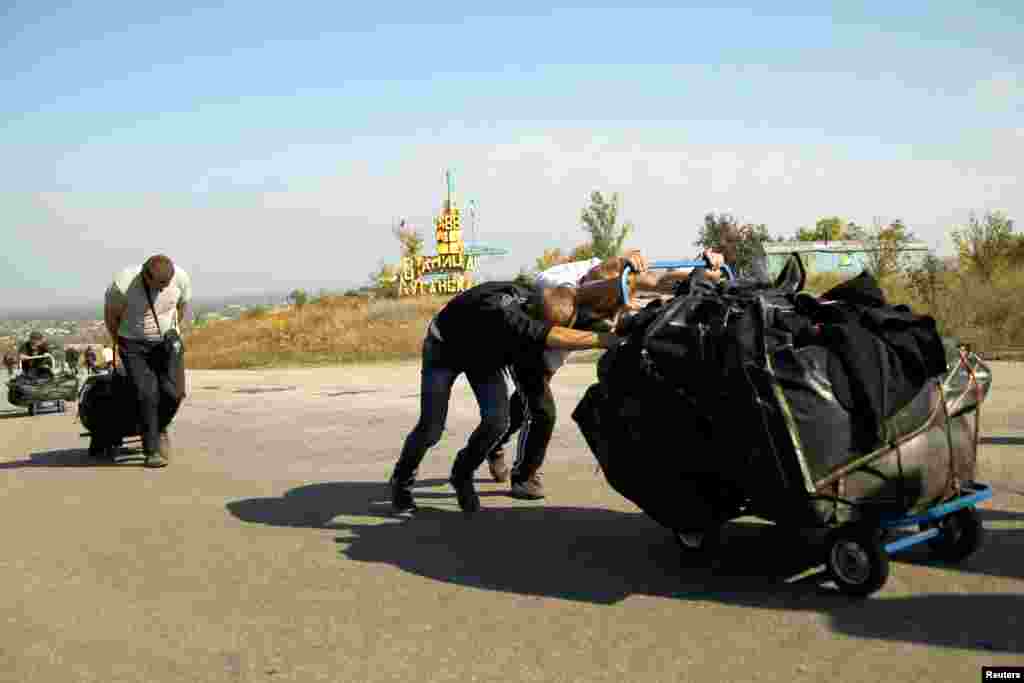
(401, 499)
(465, 493)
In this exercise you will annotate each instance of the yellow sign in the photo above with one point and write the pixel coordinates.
(448, 270)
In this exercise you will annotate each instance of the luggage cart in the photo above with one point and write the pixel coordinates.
(44, 406)
(856, 552)
(857, 555)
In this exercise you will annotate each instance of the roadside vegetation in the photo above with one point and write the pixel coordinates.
(976, 297)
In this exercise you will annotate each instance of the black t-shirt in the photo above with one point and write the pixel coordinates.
(486, 327)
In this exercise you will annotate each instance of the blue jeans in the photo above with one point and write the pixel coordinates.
(438, 376)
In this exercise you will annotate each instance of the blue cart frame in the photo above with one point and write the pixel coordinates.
(973, 493)
(663, 265)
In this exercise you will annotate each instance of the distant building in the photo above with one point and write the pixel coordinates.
(839, 256)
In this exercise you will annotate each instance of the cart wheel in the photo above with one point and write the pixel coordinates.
(857, 561)
(31, 409)
(962, 534)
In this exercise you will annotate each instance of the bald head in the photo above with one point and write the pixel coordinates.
(158, 271)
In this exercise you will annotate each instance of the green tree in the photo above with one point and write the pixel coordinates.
(828, 229)
(928, 280)
(384, 281)
(986, 245)
(600, 219)
(741, 244)
(884, 247)
(298, 298)
(409, 238)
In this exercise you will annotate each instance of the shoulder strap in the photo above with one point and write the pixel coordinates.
(149, 297)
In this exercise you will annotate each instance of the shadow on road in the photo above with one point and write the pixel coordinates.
(1003, 440)
(1000, 555)
(603, 556)
(74, 457)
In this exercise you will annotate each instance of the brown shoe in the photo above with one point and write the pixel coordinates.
(530, 489)
(496, 464)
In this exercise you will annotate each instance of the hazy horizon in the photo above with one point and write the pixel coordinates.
(266, 148)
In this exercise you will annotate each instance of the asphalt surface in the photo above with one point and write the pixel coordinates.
(266, 552)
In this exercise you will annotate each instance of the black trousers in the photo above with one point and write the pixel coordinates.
(148, 374)
(438, 375)
(537, 403)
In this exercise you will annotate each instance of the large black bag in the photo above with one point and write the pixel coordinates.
(765, 399)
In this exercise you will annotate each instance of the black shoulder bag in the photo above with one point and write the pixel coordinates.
(172, 352)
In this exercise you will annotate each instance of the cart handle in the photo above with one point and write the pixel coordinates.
(660, 265)
(53, 361)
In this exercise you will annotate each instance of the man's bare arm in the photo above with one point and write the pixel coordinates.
(606, 270)
(612, 268)
(185, 317)
(112, 316)
(577, 340)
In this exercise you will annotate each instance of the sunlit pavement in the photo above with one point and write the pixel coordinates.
(266, 552)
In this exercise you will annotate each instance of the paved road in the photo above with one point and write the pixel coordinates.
(266, 553)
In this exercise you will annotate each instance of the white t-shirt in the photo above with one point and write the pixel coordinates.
(565, 273)
(128, 290)
(558, 276)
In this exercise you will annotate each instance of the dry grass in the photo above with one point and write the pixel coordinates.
(988, 315)
(343, 330)
(334, 331)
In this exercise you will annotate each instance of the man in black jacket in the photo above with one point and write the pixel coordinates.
(480, 332)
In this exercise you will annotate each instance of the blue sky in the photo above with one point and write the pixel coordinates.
(267, 146)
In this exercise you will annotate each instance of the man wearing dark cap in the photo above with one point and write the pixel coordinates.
(143, 305)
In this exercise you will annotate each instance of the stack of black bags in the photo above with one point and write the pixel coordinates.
(740, 397)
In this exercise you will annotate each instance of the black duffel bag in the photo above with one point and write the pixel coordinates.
(109, 409)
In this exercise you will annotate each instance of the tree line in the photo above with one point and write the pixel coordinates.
(985, 246)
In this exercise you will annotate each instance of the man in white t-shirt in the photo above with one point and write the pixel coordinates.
(577, 274)
(143, 304)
